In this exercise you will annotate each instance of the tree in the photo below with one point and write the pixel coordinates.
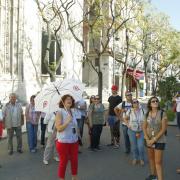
(53, 22)
(168, 88)
(167, 58)
(102, 20)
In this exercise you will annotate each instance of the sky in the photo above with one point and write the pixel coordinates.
(171, 8)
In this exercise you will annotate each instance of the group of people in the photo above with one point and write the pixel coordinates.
(139, 126)
(65, 129)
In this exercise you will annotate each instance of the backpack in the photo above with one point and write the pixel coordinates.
(174, 107)
(162, 111)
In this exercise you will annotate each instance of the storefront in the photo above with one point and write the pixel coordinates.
(134, 80)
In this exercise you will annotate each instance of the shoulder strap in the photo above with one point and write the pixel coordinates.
(123, 104)
(142, 110)
(162, 111)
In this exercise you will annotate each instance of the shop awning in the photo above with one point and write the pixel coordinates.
(137, 74)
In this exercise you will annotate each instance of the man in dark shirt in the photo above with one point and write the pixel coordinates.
(113, 122)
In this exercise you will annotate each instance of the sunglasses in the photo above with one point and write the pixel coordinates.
(135, 102)
(128, 94)
(154, 101)
(96, 98)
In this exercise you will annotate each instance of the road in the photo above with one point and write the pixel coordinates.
(109, 164)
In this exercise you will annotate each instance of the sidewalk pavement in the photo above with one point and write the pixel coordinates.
(108, 164)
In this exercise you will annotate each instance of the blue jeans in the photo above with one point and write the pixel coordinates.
(32, 135)
(81, 125)
(126, 138)
(137, 145)
(114, 129)
(111, 120)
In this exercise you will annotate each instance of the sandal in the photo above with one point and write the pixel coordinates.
(178, 171)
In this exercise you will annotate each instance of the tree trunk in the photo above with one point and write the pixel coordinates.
(100, 84)
(146, 80)
(123, 85)
(137, 89)
(52, 76)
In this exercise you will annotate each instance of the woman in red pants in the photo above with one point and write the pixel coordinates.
(67, 136)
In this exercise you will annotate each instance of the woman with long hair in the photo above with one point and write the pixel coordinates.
(67, 136)
(154, 128)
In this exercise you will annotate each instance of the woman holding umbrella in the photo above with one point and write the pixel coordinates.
(67, 136)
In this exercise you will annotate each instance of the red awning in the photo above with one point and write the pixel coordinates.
(137, 74)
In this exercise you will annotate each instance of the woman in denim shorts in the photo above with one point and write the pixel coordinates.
(154, 128)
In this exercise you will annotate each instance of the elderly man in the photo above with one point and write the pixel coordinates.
(13, 120)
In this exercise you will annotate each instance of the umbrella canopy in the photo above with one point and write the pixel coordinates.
(48, 99)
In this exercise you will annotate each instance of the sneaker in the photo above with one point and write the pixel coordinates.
(45, 162)
(98, 149)
(33, 151)
(151, 177)
(10, 152)
(56, 159)
(127, 152)
(116, 146)
(20, 151)
(92, 150)
(134, 162)
(141, 162)
(112, 144)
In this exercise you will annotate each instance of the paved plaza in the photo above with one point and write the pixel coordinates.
(109, 164)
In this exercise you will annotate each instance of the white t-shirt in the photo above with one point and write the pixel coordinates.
(50, 120)
(127, 106)
(178, 104)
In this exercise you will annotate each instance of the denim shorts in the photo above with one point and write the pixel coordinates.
(158, 146)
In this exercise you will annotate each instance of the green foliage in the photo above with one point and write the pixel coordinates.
(162, 104)
(170, 115)
(168, 88)
(52, 66)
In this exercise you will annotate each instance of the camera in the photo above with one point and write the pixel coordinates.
(74, 130)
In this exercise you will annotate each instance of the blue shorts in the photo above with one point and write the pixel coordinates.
(111, 120)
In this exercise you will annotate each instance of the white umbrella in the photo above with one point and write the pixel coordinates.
(48, 99)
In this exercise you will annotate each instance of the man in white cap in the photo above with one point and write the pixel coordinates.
(120, 111)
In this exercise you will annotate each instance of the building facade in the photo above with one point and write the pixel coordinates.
(21, 47)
